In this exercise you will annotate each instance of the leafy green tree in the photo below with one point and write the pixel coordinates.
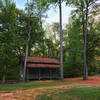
(73, 62)
(13, 28)
(83, 6)
(34, 30)
(8, 37)
(52, 34)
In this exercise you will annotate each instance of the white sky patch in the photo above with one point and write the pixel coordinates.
(53, 13)
(98, 1)
(20, 3)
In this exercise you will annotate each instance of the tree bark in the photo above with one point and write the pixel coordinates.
(43, 45)
(85, 77)
(4, 70)
(25, 62)
(21, 57)
(29, 50)
(61, 43)
(27, 46)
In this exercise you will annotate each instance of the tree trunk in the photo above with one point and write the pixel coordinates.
(25, 62)
(27, 46)
(85, 77)
(29, 50)
(83, 25)
(43, 45)
(4, 70)
(21, 57)
(61, 43)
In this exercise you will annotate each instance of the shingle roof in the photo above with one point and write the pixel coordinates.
(42, 62)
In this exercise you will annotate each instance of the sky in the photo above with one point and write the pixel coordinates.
(53, 13)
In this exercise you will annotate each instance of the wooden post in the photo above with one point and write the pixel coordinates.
(57, 74)
(50, 74)
(27, 74)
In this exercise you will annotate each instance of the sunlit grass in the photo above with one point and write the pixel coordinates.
(53, 90)
(29, 85)
(19, 86)
(76, 93)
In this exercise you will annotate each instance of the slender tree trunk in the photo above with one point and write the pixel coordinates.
(83, 24)
(43, 47)
(85, 77)
(25, 62)
(61, 43)
(21, 68)
(4, 75)
(55, 51)
(29, 50)
(4, 70)
(27, 47)
(44, 53)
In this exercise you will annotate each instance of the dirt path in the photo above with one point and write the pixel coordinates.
(33, 93)
(27, 94)
(92, 81)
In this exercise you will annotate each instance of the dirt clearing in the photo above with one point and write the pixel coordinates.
(31, 94)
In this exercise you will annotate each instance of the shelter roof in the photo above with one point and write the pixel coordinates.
(42, 62)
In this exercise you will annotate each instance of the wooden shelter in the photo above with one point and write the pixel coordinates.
(42, 68)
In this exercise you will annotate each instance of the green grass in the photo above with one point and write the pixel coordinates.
(76, 93)
(19, 86)
(27, 85)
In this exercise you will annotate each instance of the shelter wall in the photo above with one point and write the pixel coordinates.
(42, 73)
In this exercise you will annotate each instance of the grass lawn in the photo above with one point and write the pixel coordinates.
(76, 93)
(19, 86)
(28, 85)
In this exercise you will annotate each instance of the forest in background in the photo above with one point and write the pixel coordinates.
(45, 42)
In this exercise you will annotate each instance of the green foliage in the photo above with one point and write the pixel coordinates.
(13, 37)
(93, 47)
(74, 59)
(14, 26)
(8, 37)
(75, 39)
(73, 63)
